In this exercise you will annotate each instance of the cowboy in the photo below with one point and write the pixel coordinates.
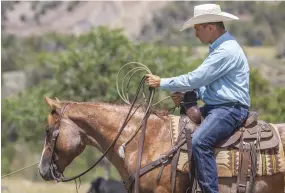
(221, 82)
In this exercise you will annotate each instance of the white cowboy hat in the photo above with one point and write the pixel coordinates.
(206, 13)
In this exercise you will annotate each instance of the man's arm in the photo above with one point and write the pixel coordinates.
(214, 66)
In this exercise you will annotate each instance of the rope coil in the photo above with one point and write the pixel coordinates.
(121, 93)
(132, 72)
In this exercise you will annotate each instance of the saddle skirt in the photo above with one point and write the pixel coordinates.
(270, 160)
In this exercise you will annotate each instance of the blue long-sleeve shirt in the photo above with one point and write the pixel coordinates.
(223, 77)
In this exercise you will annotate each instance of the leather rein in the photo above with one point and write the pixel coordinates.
(59, 177)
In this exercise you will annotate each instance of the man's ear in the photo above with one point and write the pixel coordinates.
(54, 104)
(210, 27)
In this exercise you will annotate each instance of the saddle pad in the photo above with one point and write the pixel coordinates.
(269, 162)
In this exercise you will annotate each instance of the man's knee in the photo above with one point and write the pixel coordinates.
(199, 142)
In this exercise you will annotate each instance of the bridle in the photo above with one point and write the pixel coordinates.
(52, 131)
(58, 176)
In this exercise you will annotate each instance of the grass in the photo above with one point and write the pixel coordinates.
(29, 180)
(27, 186)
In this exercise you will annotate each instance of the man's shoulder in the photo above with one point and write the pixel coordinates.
(231, 46)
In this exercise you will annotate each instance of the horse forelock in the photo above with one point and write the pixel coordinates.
(51, 119)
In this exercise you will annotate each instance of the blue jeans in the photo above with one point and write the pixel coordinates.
(219, 123)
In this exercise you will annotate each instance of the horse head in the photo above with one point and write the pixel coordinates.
(63, 142)
(73, 125)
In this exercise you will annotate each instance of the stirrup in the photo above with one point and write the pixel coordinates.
(196, 191)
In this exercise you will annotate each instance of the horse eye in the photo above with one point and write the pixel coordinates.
(47, 130)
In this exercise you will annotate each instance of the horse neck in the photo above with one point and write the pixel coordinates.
(102, 121)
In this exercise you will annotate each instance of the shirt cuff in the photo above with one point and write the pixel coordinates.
(164, 83)
(197, 93)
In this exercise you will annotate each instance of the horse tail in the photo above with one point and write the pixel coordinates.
(281, 130)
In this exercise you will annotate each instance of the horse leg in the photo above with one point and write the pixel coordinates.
(264, 184)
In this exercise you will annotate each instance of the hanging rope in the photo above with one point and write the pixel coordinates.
(6, 175)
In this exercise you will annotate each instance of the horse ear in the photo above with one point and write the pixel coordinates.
(54, 104)
(57, 100)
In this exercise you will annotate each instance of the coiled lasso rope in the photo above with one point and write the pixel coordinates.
(125, 97)
(121, 93)
(132, 72)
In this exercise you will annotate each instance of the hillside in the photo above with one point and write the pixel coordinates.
(262, 23)
(142, 21)
(38, 17)
(158, 21)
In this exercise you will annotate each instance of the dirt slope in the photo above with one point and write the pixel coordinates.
(26, 18)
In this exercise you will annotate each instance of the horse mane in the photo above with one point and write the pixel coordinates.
(159, 112)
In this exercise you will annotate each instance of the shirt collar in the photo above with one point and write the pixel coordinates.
(225, 37)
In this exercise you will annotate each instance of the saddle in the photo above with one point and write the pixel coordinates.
(246, 133)
(250, 132)
(254, 135)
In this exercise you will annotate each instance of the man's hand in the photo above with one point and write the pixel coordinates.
(177, 97)
(153, 80)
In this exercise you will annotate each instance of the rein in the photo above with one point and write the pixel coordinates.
(55, 133)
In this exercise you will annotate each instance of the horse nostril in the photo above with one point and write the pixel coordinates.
(55, 157)
(44, 173)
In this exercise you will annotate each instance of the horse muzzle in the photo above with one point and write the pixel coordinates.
(45, 173)
(50, 172)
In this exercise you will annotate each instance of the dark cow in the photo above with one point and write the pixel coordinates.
(101, 185)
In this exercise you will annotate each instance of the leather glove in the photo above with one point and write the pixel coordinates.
(177, 97)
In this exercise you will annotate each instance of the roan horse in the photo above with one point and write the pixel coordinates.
(97, 124)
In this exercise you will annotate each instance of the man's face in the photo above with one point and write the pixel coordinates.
(204, 32)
